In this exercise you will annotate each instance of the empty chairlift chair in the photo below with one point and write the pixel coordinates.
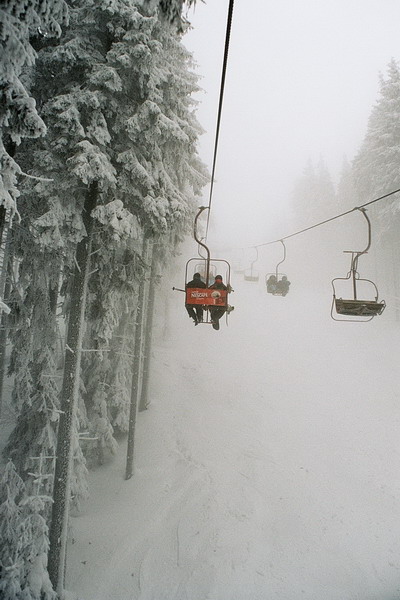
(251, 274)
(353, 308)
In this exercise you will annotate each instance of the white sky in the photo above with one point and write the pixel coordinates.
(302, 79)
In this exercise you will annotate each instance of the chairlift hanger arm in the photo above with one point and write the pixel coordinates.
(200, 254)
(196, 237)
(364, 212)
(256, 258)
(283, 259)
(198, 240)
(356, 255)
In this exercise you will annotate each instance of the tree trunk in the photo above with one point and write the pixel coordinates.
(136, 375)
(53, 294)
(148, 333)
(69, 396)
(3, 343)
(5, 289)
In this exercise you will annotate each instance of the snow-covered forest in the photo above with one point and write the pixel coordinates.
(142, 457)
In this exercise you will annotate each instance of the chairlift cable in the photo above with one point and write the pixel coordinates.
(347, 212)
(221, 97)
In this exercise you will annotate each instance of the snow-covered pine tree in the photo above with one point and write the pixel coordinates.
(304, 194)
(325, 189)
(171, 10)
(61, 222)
(19, 21)
(110, 85)
(347, 199)
(67, 432)
(314, 194)
(32, 362)
(34, 357)
(156, 132)
(117, 269)
(23, 541)
(36, 391)
(79, 89)
(314, 200)
(375, 172)
(153, 135)
(346, 191)
(11, 565)
(375, 167)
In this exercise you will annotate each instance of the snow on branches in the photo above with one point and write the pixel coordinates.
(19, 20)
(91, 164)
(122, 223)
(24, 541)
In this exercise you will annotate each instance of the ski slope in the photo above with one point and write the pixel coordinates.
(266, 466)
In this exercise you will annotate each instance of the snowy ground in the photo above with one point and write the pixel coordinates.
(267, 465)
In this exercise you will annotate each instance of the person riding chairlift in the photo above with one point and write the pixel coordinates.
(283, 285)
(216, 312)
(271, 284)
(195, 312)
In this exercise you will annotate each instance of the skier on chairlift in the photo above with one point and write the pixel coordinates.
(283, 285)
(271, 284)
(216, 312)
(196, 312)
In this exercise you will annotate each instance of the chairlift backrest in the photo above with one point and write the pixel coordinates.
(202, 269)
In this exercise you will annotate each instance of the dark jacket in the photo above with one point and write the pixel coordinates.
(196, 283)
(218, 286)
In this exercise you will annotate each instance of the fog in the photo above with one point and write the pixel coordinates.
(302, 79)
(266, 466)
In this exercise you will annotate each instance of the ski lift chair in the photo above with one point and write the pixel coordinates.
(251, 274)
(358, 310)
(207, 297)
(273, 287)
(207, 268)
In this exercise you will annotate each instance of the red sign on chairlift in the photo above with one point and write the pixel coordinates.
(206, 296)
